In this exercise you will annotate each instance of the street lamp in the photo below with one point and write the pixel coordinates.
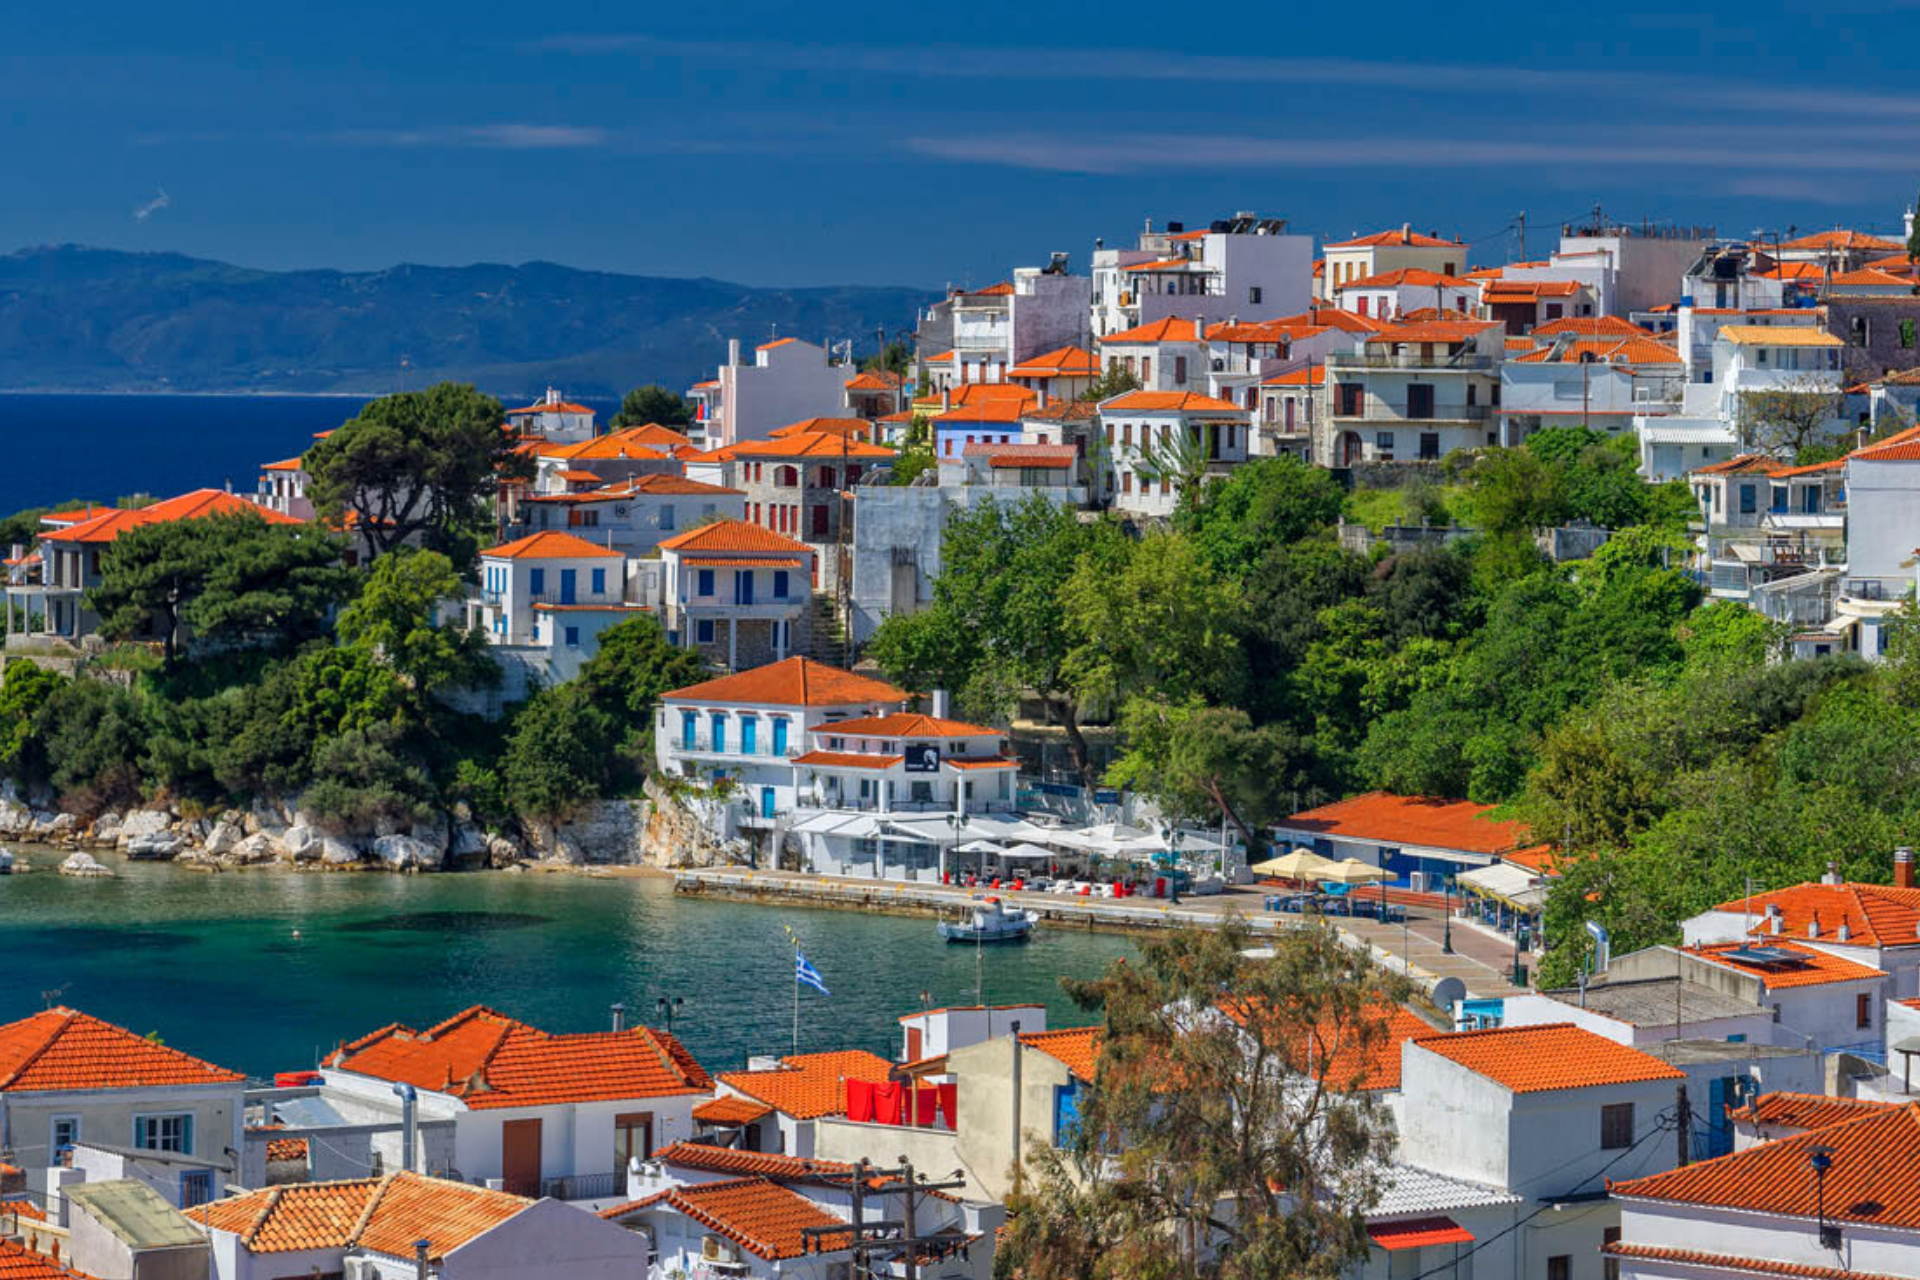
(1446, 934)
(667, 1007)
(1821, 1160)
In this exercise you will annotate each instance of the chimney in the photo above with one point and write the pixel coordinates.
(939, 704)
(1813, 926)
(1773, 925)
(733, 351)
(409, 1128)
(1902, 857)
(619, 1017)
(1041, 392)
(1833, 874)
(1843, 933)
(946, 399)
(420, 1248)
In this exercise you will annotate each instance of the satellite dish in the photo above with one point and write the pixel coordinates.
(1447, 992)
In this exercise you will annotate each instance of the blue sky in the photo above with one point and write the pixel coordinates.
(789, 144)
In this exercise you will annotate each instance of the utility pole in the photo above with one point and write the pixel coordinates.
(1684, 1129)
(886, 1241)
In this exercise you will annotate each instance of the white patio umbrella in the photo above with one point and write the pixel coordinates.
(1301, 864)
(1352, 871)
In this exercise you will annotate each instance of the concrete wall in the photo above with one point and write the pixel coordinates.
(106, 1115)
(1883, 525)
(1047, 312)
(989, 1118)
(1865, 1249)
(548, 1239)
(1882, 352)
(1646, 269)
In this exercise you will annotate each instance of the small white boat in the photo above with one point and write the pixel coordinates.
(990, 921)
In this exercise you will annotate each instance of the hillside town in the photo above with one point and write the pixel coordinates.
(1487, 690)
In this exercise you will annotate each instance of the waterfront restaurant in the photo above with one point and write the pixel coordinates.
(1425, 842)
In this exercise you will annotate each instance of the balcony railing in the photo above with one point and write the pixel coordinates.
(1374, 410)
(1406, 360)
(702, 745)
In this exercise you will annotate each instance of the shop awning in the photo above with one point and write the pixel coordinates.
(1509, 884)
(1417, 1232)
(1028, 851)
(854, 826)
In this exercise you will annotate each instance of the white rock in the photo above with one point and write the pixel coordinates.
(258, 847)
(335, 852)
(144, 822)
(404, 853)
(84, 865)
(161, 845)
(504, 852)
(468, 841)
(224, 836)
(302, 843)
(432, 833)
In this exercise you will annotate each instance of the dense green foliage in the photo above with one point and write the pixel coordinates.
(652, 403)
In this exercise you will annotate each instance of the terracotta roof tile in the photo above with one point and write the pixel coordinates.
(1781, 1109)
(551, 544)
(487, 1059)
(795, 682)
(1168, 329)
(988, 411)
(730, 1111)
(1412, 277)
(61, 1048)
(197, 505)
(761, 1216)
(747, 1164)
(1874, 1177)
(382, 1214)
(1872, 276)
(989, 762)
(1402, 237)
(733, 535)
(1048, 457)
(810, 1084)
(1308, 375)
(1434, 331)
(1416, 820)
(17, 1262)
(558, 406)
(846, 760)
(1066, 362)
(811, 444)
(1548, 1057)
(1737, 1265)
(1077, 1047)
(850, 427)
(777, 342)
(1591, 327)
(1876, 915)
(1776, 335)
(1000, 290)
(1167, 402)
(1901, 446)
(22, 1209)
(874, 380)
(1839, 239)
(904, 724)
(1811, 968)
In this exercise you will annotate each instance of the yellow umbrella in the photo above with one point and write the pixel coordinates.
(1352, 871)
(1301, 864)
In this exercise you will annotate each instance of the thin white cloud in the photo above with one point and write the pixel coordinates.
(160, 201)
(501, 137)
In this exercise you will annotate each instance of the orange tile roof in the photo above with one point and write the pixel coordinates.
(1168, 329)
(1251, 331)
(1166, 264)
(197, 505)
(1605, 351)
(874, 380)
(903, 724)
(1167, 402)
(794, 682)
(1405, 276)
(62, 1048)
(22, 1209)
(1001, 290)
(795, 561)
(1901, 446)
(987, 411)
(551, 544)
(991, 762)
(659, 485)
(1403, 237)
(810, 1084)
(17, 1262)
(1811, 969)
(1067, 362)
(1077, 1047)
(1310, 375)
(754, 1164)
(975, 392)
(847, 760)
(1050, 457)
(1591, 327)
(571, 475)
(811, 444)
(1517, 291)
(1551, 1056)
(1805, 1110)
(1337, 318)
(558, 406)
(733, 535)
(730, 1111)
(1874, 1178)
(777, 342)
(386, 1215)
(1433, 331)
(1064, 411)
(279, 1149)
(1738, 1265)
(849, 427)
(285, 464)
(487, 1060)
(761, 1216)
(1838, 239)
(1740, 465)
(1872, 276)
(1416, 820)
(1876, 915)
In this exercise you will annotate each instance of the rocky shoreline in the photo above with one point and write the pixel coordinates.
(655, 831)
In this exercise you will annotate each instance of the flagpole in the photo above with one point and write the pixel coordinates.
(796, 986)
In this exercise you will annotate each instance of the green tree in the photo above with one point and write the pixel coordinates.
(91, 736)
(419, 466)
(634, 665)
(267, 585)
(1116, 381)
(1513, 491)
(363, 782)
(1262, 505)
(148, 577)
(26, 688)
(1788, 417)
(556, 756)
(1203, 762)
(896, 357)
(1224, 1135)
(652, 403)
(1178, 459)
(396, 616)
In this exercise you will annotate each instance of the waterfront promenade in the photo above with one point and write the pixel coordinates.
(1482, 963)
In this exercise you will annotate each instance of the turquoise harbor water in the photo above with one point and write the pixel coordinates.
(257, 970)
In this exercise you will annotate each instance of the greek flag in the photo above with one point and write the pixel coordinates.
(808, 976)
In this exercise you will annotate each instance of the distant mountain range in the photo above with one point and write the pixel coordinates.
(74, 318)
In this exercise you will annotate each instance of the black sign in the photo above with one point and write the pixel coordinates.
(922, 758)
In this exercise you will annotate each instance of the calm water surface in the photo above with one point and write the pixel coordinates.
(257, 970)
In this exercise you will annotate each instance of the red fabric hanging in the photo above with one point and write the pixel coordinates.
(950, 1104)
(925, 1103)
(859, 1100)
(886, 1103)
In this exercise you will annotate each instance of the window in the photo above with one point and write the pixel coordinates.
(573, 637)
(1616, 1126)
(599, 582)
(196, 1188)
(780, 736)
(779, 584)
(1810, 500)
(718, 724)
(749, 735)
(1748, 500)
(1863, 1011)
(632, 1139)
(1609, 1265)
(688, 724)
(66, 1132)
(1066, 1113)
(666, 516)
(1126, 436)
(703, 584)
(1146, 369)
(1429, 446)
(164, 1133)
(536, 580)
(1179, 368)
(1420, 400)
(1560, 1267)
(1779, 498)
(703, 631)
(1860, 330)
(1383, 440)
(1473, 393)
(1253, 294)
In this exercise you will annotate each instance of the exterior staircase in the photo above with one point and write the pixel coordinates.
(827, 635)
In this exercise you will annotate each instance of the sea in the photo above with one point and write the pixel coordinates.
(99, 448)
(263, 970)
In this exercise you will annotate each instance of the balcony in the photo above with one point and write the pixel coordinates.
(1464, 362)
(702, 745)
(1376, 410)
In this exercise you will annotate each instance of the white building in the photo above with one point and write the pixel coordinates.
(553, 416)
(533, 1112)
(1419, 390)
(546, 597)
(738, 593)
(1244, 266)
(1167, 354)
(1390, 294)
(1606, 384)
(1375, 255)
(788, 380)
(632, 516)
(1141, 427)
(799, 1090)
(375, 1229)
(1546, 1113)
(1873, 925)
(69, 1078)
(1818, 1000)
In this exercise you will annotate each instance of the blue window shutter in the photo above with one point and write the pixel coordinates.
(573, 637)
(780, 737)
(537, 581)
(688, 721)
(599, 581)
(779, 584)
(1066, 1113)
